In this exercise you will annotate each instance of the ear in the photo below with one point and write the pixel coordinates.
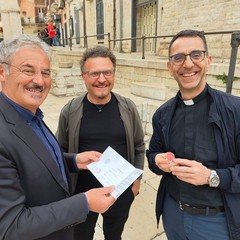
(2, 73)
(169, 66)
(83, 76)
(209, 60)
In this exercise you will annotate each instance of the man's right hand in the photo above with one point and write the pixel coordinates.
(99, 199)
(164, 161)
(85, 158)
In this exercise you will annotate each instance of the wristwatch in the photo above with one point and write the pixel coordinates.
(214, 179)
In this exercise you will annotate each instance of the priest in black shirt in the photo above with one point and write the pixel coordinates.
(199, 196)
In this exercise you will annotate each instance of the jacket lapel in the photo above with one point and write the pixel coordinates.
(29, 137)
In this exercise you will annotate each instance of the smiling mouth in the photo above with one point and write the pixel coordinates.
(35, 89)
(189, 74)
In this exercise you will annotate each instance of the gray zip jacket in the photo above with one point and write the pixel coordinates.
(70, 120)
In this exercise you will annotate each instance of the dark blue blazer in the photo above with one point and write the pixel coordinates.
(224, 115)
(35, 202)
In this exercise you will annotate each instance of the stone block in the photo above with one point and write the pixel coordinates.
(148, 129)
(59, 91)
(65, 64)
(149, 90)
(70, 80)
(60, 72)
(76, 71)
(144, 116)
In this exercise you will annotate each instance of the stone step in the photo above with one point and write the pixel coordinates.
(149, 90)
(146, 107)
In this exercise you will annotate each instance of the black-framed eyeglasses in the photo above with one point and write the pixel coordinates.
(96, 74)
(30, 71)
(196, 56)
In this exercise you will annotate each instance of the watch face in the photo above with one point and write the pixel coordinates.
(214, 181)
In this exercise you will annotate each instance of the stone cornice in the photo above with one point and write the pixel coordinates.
(9, 11)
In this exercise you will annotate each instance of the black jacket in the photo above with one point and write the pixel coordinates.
(224, 115)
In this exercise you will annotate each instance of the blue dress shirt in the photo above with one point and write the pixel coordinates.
(38, 126)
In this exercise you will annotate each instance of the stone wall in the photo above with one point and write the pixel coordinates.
(154, 71)
(66, 81)
(209, 16)
(146, 81)
(66, 75)
(171, 17)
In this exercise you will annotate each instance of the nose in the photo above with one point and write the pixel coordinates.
(38, 78)
(101, 78)
(188, 62)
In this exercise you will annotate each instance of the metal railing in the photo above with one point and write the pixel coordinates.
(235, 42)
(64, 41)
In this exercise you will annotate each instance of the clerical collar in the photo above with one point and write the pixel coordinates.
(188, 102)
(196, 99)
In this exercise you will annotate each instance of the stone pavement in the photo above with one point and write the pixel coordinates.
(141, 224)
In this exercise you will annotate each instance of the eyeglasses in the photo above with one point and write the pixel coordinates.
(96, 74)
(195, 56)
(30, 71)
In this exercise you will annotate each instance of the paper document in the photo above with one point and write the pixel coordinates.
(113, 169)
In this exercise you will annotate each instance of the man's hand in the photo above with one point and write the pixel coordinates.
(99, 199)
(136, 187)
(190, 171)
(84, 158)
(164, 161)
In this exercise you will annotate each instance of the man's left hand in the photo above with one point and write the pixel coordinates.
(190, 171)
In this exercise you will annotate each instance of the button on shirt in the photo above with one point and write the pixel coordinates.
(39, 127)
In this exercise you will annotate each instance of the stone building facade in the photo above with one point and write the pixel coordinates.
(124, 19)
(10, 19)
(146, 80)
(34, 11)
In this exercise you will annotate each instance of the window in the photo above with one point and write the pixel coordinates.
(41, 14)
(100, 19)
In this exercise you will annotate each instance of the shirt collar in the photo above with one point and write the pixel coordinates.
(24, 113)
(196, 99)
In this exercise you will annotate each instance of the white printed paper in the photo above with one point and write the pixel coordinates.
(113, 169)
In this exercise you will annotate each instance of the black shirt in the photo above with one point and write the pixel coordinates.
(192, 138)
(101, 126)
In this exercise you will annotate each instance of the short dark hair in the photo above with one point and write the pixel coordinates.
(189, 33)
(98, 51)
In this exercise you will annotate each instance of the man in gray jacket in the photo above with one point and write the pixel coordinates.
(94, 121)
